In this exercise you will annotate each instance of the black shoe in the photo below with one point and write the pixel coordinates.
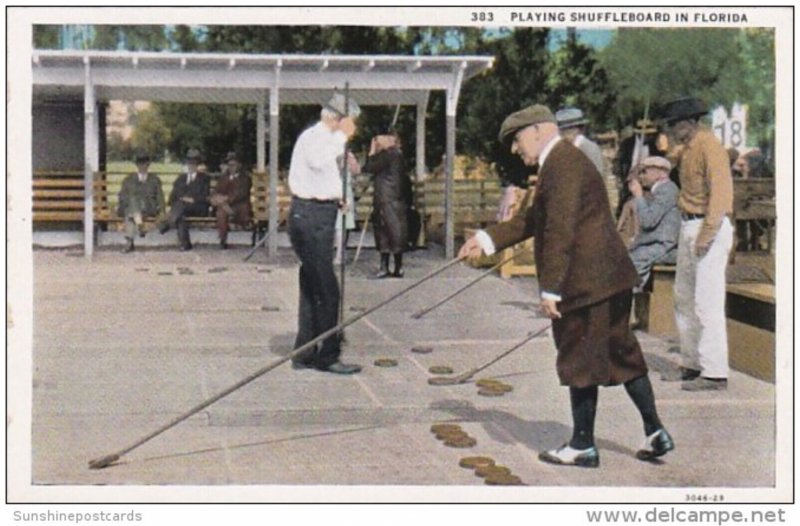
(567, 456)
(128, 248)
(681, 374)
(381, 274)
(163, 227)
(298, 365)
(223, 245)
(185, 247)
(656, 445)
(342, 368)
(706, 384)
(398, 273)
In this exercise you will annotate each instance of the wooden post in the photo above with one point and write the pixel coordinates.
(90, 154)
(421, 110)
(261, 154)
(274, 129)
(450, 152)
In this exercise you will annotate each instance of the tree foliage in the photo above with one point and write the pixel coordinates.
(721, 66)
(639, 69)
(150, 134)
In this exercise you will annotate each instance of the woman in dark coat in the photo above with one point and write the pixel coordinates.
(391, 201)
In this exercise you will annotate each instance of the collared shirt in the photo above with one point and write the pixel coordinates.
(190, 177)
(706, 182)
(486, 242)
(314, 171)
(142, 177)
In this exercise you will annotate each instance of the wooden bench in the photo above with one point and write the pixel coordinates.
(660, 296)
(58, 196)
(105, 205)
(754, 210)
(751, 322)
(105, 202)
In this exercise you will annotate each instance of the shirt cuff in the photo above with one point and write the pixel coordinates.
(485, 242)
(550, 296)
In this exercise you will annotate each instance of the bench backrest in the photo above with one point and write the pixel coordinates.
(59, 196)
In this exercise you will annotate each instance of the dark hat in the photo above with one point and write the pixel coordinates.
(683, 108)
(518, 120)
(194, 155)
(142, 157)
(337, 104)
(231, 157)
(570, 118)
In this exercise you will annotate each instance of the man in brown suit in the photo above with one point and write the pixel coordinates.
(231, 199)
(585, 281)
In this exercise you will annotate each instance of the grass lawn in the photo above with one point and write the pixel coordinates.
(126, 167)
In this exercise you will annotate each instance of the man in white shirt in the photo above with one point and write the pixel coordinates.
(315, 181)
(572, 125)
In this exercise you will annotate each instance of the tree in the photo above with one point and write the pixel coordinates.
(721, 66)
(45, 36)
(577, 78)
(517, 80)
(151, 133)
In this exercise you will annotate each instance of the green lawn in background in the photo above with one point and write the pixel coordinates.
(117, 171)
(127, 167)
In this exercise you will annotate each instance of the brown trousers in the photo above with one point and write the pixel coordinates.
(596, 345)
(226, 214)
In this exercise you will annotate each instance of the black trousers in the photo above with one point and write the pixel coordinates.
(178, 213)
(311, 231)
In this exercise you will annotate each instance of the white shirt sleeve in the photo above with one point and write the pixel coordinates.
(485, 242)
(550, 296)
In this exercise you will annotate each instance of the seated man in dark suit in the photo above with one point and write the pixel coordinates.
(231, 198)
(658, 217)
(189, 198)
(140, 197)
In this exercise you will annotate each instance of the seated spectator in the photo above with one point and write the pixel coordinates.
(658, 217)
(189, 198)
(140, 197)
(644, 141)
(231, 198)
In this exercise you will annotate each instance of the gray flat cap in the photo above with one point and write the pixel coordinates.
(337, 104)
(570, 117)
(655, 161)
(535, 114)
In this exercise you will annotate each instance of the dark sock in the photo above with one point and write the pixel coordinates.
(641, 392)
(398, 262)
(584, 408)
(385, 262)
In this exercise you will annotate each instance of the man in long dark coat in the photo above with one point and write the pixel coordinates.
(391, 201)
(189, 198)
(585, 281)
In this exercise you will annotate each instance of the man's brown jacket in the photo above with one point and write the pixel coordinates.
(579, 254)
